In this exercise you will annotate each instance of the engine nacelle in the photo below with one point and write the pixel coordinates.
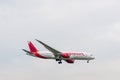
(65, 55)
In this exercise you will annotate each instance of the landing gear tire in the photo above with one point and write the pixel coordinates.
(57, 59)
(60, 62)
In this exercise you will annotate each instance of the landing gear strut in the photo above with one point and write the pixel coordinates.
(87, 61)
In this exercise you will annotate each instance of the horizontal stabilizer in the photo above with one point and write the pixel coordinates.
(27, 51)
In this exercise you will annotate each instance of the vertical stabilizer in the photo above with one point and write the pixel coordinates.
(32, 47)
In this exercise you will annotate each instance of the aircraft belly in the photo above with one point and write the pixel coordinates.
(79, 57)
(48, 55)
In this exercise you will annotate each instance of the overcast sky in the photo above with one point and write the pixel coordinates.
(91, 26)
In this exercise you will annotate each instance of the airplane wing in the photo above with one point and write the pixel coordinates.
(54, 51)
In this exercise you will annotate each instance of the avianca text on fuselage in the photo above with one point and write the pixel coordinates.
(52, 53)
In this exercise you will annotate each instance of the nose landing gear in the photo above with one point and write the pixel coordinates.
(87, 61)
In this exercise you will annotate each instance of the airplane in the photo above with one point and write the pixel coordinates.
(52, 53)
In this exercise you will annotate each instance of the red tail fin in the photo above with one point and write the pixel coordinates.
(32, 47)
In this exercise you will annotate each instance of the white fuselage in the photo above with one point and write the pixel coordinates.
(70, 55)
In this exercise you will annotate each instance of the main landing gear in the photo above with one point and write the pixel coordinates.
(59, 59)
(59, 62)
